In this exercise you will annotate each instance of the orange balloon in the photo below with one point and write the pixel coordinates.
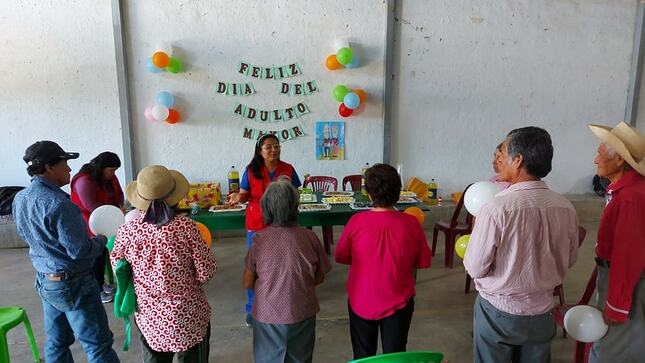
(206, 234)
(173, 116)
(361, 94)
(417, 213)
(160, 59)
(332, 63)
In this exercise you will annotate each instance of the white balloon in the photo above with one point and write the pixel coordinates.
(160, 112)
(479, 194)
(165, 47)
(132, 215)
(340, 43)
(585, 324)
(106, 220)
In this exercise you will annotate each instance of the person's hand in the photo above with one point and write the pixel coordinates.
(233, 199)
(609, 321)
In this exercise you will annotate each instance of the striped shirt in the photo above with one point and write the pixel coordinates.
(286, 261)
(523, 243)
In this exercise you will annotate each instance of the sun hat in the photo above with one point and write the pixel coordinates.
(157, 182)
(628, 142)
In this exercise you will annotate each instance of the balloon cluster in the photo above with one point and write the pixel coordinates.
(162, 109)
(344, 58)
(350, 99)
(162, 60)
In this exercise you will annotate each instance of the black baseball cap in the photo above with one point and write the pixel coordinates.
(42, 152)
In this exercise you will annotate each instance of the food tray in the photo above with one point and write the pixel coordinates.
(317, 207)
(407, 200)
(338, 200)
(331, 193)
(360, 206)
(308, 198)
(226, 208)
(406, 193)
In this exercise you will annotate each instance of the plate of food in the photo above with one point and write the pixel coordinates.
(361, 205)
(338, 200)
(316, 207)
(331, 193)
(308, 198)
(407, 200)
(227, 208)
(406, 193)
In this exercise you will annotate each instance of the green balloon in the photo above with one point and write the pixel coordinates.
(340, 92)
(110, 243)
(174, 66)
(344, 56)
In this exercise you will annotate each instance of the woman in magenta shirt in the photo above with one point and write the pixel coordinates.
(383, 247)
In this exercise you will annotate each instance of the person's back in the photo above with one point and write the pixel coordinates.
(536, 246)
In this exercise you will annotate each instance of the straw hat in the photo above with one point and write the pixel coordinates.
(157, 182)
(628, 142)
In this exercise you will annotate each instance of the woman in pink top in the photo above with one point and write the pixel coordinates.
(383, 247)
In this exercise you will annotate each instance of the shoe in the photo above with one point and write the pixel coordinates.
(248, 321)
(110, 289)
(106, 297)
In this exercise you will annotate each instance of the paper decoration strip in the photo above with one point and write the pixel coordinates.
(299, 89)
(283, 134)
(260, 72)
(280, 115)
(235, 89)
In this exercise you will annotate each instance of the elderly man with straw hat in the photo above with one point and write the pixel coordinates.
(170, 265)
(620, 249)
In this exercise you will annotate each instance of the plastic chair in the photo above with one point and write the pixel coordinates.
(404, 357)
(354, 182)
(10, 317)
(321, 183)
(558, 291)
(451, 229)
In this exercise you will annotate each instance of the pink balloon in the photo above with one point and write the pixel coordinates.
(148, 114)
(132, 215)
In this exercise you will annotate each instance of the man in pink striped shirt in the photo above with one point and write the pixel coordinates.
(523, 243)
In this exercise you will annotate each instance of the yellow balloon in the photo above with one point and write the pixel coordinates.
(206, 234)
(461, 245)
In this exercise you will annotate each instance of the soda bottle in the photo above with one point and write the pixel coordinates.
(367, 166)
(432, 192)
(233, 181)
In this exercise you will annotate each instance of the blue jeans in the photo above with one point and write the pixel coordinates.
(73, 307)
(249, 292)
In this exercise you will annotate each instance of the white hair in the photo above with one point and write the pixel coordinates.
(611, 152)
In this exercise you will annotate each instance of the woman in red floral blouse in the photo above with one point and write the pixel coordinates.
(170, 264)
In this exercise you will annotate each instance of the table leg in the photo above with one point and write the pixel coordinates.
(328, 238)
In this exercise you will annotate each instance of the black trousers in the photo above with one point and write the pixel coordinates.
(99, 268)
(195, 354)
(394, 332)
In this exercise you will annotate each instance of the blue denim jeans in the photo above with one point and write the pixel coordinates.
(249, 292)
(73, 307)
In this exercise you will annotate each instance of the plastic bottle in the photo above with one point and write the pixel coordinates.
(233, 181)
(367, 166)
(432, 192)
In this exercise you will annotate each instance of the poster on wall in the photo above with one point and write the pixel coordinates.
(330, 140)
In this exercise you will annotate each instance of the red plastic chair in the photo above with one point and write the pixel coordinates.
(321, 183)
(558, 291)
(451, 229)
(354, 182)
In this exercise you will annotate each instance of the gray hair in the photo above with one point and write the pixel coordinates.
(611, 152)
(280, 204)
(534, 144)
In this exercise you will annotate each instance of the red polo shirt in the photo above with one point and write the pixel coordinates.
(621, 240)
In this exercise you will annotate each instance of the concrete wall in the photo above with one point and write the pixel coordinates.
(58, 74)
(470, 71)
(466, 72)
(211, 37)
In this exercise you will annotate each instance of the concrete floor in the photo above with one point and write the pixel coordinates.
(442, 319)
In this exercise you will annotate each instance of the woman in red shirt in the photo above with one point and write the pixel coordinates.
(383, 247)
(93, 186)
(264, 168)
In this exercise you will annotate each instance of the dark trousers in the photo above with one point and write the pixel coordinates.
(99, 268)
(394, 332)
(196, 354)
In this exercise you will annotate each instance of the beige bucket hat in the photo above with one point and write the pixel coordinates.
(157, 182)
(628, 142)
